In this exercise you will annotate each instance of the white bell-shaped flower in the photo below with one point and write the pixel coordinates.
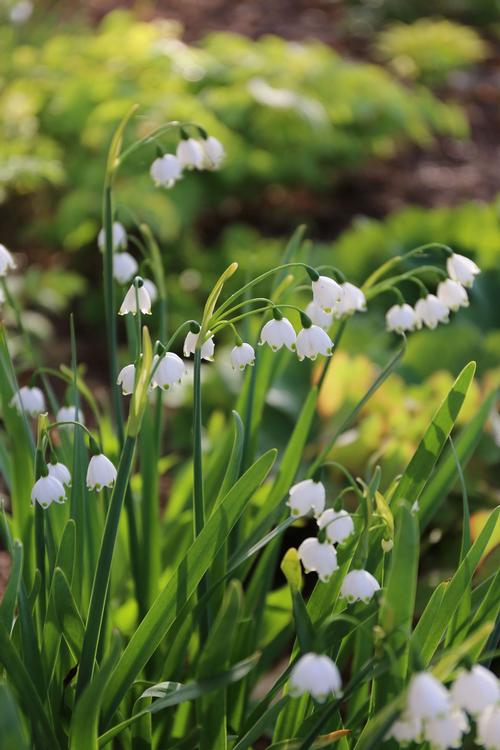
(462, 269)
(317, 675)
(7, 262)
(278, 333)
(61, 472)
(118, 237)
(169, 371)
(47, 490)
(427, 697)
(400, 318)
(29, 400)
(213, 152)
(352, 300)
(326, 293)
(405, 730)
(190, 153)
(488, 728)
(129, 304)
(165, 171)
(242, 355)
(338, 525)
(70, 414)
(207, 349)
(318, 557)
(359, 586)
(430, 311)
(312, 341)
(476, 689)
(126, 379)
(446, 731)
(151, 289)
(452, 294)
(125, 267)
(318, 316)
(101, 473)
(307, 497)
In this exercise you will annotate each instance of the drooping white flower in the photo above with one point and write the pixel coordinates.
(126, 379)
(278, 333)
(190, 153)
(47, 490)
(316, 675)
(306, 497)
(29, 400)
(401, 318)
(427, 697)
(207, 349)
(118, 237)
(313, 341)
(462, 269)
(213, 152)
(452, 294)
(406, 729)
(318, 316)
(338, 524)
(124, 267)
(476, 689)
(61, 472)
(359, 586)
(169, 371)
(326, 293)
(21, 12)
(431, 311)
(151, 289)
(318, 557)
(129, 304)
(70, 414)
(165, 171)
(352, 300)
(488, 728)
(242, 355)
(446, 731)
(7, 262)
(100, 473)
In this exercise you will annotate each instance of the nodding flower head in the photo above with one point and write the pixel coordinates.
(359, 586)
(427, 697)
(446, 731)
(207, 348)
(462, 269)
(431, 311)
(47, 490)
(61, 472)
(213, 152)
(488, 728)
(118, 237)
(277, 333)
(242, 355)
(29, 400)
(405, 730)
(100, 473)
(125, 267)
(318, 316)
(452, 294)
(475, 689)
(129, 304)
(190, 153)
(326, 293)
(400, 318)
(126, 379)
(165, 171)
(316, 675)
(70, 414)
(169, 371)
(352, 300)
(7, 262)
(151, 289)
(318, 557)
(313, 341)
(338, 525)
(307, 497)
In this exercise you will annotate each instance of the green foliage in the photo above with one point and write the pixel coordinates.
(429, 49)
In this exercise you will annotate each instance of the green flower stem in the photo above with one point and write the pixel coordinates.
(198, 498)
(103, 570)
(109, 304)
(327, 363)
(390, 264)
(245, 303)
(409, 275)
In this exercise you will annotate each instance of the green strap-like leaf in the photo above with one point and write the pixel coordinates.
(155, 626)
(12, 730)
(9, 599)
(70, 621)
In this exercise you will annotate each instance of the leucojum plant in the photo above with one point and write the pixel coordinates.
(144, 613)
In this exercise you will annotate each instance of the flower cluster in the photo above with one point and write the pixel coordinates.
(439, 716)
(433, 309)
(205, 152)
(52, 485)
(319, 554)
(167, 370)
(317, 675)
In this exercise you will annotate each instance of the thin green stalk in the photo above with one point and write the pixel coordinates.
(40, 561)
(103, 570)
(392, 262)
(198, 498)
(328, 361)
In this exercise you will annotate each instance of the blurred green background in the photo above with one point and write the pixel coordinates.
(375, 123)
